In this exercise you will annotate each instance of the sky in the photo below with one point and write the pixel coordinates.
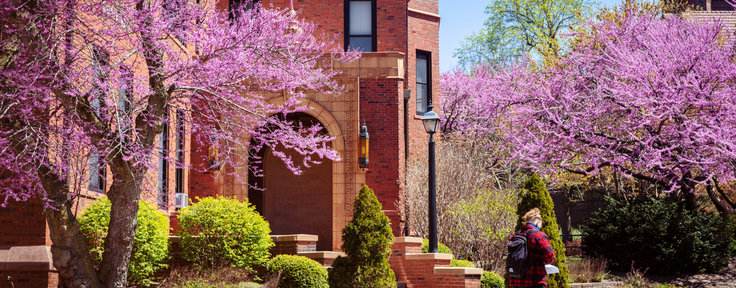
(460, 18)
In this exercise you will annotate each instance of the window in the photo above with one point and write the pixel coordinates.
(236, 7)
(424, 81)
(97, 172)
(360, 24)
(180, 134)
(163, 163)
(123, 111)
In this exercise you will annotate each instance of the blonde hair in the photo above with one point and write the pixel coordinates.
(533, 215)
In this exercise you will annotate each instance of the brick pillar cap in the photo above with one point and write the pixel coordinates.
(407, 240)
(295, 237)
(26, 258)
(321, 254)
(458, 270)
(425, 256)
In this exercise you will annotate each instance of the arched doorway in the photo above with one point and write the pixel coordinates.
(296, 204)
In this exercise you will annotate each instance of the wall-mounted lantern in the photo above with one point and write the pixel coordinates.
(213, 154)
(363, 158)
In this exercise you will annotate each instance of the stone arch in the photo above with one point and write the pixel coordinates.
(331, 239)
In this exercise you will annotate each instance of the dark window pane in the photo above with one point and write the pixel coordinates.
(421, 70)
(421, 99)
(363, 44)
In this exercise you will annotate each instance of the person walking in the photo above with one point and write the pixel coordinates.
(539, 249)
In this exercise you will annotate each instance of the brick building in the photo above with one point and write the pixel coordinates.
(388, 90)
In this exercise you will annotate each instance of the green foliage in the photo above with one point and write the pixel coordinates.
(658, 233)
(441, 248)
(298, 272)
(535, 195)
(732, 229)
(367, 242)
(222, 231)
(461, 263)
(515, 27)
(150, 245)
(491, 280)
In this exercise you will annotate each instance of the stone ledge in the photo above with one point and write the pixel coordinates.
(294, 238)
(458, 270)
(428, 256)
(407, 240)
(26, 258)
(321, 254)
(598, 284)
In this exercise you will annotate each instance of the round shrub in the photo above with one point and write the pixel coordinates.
(658, 233)
(461, 263)
(298, 272)
(224, 232)
(367, 242)
(150, 244)
(491, 280)
(441, 248)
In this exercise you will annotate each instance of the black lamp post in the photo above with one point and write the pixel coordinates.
(431, 123)
(363, 157)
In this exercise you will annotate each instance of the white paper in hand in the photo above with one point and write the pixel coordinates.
(551, 269)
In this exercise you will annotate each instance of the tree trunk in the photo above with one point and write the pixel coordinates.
(124, 196)
(713, 197)
(687, 191)
(70, 253)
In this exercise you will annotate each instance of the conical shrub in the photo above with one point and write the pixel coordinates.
(367, 242)
(535, 195)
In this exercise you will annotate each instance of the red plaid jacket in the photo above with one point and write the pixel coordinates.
(540, 251)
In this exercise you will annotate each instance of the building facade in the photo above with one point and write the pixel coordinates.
(387, 90)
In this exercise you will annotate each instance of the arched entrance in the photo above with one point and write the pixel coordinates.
(296, 204)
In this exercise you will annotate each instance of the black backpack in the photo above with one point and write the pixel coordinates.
(518, 260)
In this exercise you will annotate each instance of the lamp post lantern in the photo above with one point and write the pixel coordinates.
(431, 123)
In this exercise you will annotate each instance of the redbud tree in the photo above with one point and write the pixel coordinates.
(652, 98)
(95, 81)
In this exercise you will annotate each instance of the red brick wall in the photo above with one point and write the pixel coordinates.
(423, 35)
(201, 184)
(380, 107)
(23, 224)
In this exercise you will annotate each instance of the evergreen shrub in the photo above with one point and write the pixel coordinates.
(658, 233)
(150, 244)
(367, 242)
(224, 232)
(732, 229)
(297, 272)
(491, 280)
(535, 195)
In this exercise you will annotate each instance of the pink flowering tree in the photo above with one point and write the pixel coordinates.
(652, 98)
(93, 82)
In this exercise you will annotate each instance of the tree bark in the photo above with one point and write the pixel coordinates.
(69, 250)
(124, 196)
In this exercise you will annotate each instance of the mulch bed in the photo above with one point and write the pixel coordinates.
(724, 278)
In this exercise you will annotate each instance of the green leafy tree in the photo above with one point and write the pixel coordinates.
(224, 231)
(515, 27)
(535, 195)
(150, 245)
(367, 242)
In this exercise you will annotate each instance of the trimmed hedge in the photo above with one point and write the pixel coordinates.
(298, 272)
(658, 233)
(441, 248)
(224, 232)
(367, 242)
(150, 244)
